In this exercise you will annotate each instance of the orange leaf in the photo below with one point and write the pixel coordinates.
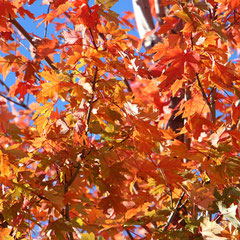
(4, 165)
(5, 234)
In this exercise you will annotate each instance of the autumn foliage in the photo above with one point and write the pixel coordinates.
(90, 155)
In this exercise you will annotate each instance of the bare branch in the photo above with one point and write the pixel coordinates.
(30, 39)
(21, 104)
(205, 97)
(129, 234)
(176, 209)
(4, 84)
(46, 24)
(213, 104)
(92, 98)
(128, 85)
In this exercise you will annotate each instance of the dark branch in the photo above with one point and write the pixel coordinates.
(129, 234)
(30, 39)
(92, 98)
(46, 25)
(4, 84)
(21, 104)
(93, 40)
(128, 85)
(173, 214)
(205, 97)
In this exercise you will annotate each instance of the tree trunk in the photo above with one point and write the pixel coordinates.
(145, 24)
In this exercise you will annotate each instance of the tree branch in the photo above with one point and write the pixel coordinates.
(92, 98)
(213, 104)
(30, 39)
(129, 234)
(128, 85)
(21, 104)
(93, 40)
(4, 84)
(46, 24)
(176, 209)
(206, 98)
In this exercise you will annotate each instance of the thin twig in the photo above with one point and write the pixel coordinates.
(69, 183)
(213, 104)
(66, 187)
(93, 40)
(67, 216)
(129, 234)
(205, 96)
(170, 193)
(128, 85)
(21, 104)
(5, 85)
(123, 140)
(187, 140)
(176, 209)
(92, 98)
(71, 180)
(30, 39)
(46, 24)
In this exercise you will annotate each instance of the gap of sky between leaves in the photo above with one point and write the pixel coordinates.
(34, 29)
(38, 30)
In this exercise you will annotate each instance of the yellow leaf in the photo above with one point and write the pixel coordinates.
(42, 115)
(88, 236)
(55, 87)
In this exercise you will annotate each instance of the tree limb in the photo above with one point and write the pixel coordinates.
(176, 209)
(30, 39)
(213, 104)
(92, 98)
(128, 85)
(5, 85)
(144, 22)
(129, 234)
(21, 104)
(206, 98)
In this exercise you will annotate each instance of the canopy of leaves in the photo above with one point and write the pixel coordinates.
(105, 166)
